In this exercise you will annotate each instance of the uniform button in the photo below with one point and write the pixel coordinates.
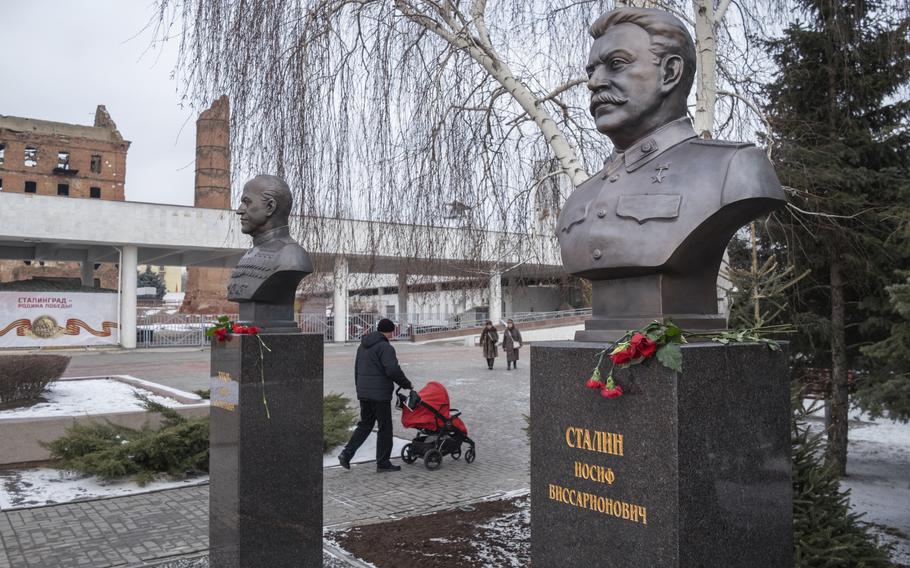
(647, 147)
(601, 213)
(597, 254)
(613, 178)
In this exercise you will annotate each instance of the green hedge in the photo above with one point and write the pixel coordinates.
(24, 377)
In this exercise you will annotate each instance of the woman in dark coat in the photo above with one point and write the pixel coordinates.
(511, 341)
(488, 339)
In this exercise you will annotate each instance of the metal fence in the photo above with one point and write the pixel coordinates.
(188, 330)
(171, 330)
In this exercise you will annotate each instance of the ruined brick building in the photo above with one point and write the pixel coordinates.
(206, 288)
(65, 160)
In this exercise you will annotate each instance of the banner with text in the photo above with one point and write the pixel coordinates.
(55, 319)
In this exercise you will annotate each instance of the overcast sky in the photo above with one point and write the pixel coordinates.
(64, 58)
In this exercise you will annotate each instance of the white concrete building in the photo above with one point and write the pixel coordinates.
(52, 228)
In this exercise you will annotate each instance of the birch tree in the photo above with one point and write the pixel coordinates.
(401, 109)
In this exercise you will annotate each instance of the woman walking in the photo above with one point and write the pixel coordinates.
(511, 341)
(488, 339)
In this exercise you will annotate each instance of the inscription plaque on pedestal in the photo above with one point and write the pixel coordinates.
(687, 469)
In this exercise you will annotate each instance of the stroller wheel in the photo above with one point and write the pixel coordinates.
(470, 455)
(456, 454)
(432, 459)
(407, 455)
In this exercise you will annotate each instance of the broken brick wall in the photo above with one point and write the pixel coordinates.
(206, 288)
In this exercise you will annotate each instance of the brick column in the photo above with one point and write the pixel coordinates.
(206, 288)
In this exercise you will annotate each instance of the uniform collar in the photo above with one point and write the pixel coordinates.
(650, 146)
(271, 234)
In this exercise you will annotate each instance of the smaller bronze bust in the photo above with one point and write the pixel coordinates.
(266, 278)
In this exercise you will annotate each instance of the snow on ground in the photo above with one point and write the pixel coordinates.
(22, 488)
(878, 474)
(366, 453)
(88, 396)
(506, 540)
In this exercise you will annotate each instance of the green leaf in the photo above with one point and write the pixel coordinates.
(224, 319)
(673, 330)
(670, 356)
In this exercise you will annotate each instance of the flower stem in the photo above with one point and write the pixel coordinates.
(265, 401)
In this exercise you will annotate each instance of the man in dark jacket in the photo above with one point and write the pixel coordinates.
(376, 370)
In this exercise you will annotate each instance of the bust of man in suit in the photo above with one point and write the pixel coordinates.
(650, 229)
(266, 278)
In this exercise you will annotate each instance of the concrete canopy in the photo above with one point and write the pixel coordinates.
(49, 228)
(34, 227)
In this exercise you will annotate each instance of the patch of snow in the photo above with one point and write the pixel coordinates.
(878, 462)
(366, 452)
(24, 488)
(505, 540)
(89, 396)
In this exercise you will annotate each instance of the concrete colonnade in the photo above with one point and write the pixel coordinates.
(129, 268)
(340, 299)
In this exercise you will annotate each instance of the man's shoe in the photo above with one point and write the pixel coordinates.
(345, 461)
(380, 469)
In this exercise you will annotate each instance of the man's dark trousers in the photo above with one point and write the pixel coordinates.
(372, 411)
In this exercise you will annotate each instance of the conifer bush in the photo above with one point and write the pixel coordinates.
(179, 447)
(337, 419)
(24, 377)
(826, 534)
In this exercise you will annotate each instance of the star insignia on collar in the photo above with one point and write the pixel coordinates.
(660, 169)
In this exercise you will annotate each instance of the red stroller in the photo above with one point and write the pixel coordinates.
(442, 432)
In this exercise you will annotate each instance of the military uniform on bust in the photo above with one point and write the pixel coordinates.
(266, 278)
(650, 229)
(688, 196)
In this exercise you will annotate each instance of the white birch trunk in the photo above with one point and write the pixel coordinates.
(706, 73)
(481, 50)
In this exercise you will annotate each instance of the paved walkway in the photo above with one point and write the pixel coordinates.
(131, 531)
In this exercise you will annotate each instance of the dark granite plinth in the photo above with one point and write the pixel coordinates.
(266, 473)
(684, 470)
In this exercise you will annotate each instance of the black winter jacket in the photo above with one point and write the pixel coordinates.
(376, 368)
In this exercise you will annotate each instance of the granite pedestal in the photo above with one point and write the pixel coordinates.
(266, 472)
(686, 469)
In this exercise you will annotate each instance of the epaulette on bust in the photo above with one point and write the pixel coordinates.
(723, 143)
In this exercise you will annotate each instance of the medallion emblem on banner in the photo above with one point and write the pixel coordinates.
(45, 327)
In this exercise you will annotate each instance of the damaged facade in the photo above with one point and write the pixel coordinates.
(206, 288)
(42, 157)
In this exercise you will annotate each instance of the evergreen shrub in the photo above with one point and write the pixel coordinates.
(337, 419)
(24, 377)
(826, 533)
(178, 448)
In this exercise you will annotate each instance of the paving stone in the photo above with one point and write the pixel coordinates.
(138, 530)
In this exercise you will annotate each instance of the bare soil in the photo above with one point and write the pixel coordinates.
(490, 534)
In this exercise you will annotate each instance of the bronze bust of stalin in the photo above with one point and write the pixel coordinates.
(650, 229)
(266, 278)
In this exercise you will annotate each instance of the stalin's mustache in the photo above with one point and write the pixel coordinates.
(606, 97)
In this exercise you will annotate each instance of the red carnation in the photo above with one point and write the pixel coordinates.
(641, 346)
(221, 333)
(623, 356)
(252, 329)
(594, 384)
(614, 392)
(237, 328)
